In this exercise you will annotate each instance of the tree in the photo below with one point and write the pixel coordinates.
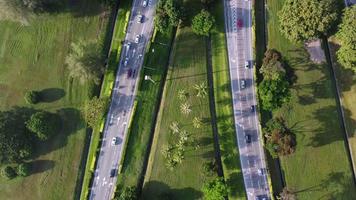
(197, 122)
(207, 3)
(347, 36)
(174, 127)
(95, 110)
(215, 190)
(279, 139)
(202, 23)
(15, 140)
(182, 95)
(44, 124)
(185, 108)
(23, 169)
(301, 20)
(286, 194)
(128, 193)
(272, 67)
(168, 14)
(273, 93)
(85, 62)
(201, 89)
(8, 172)
(32, 97)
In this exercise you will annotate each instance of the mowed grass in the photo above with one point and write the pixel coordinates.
(319, 169)
(32, 58)
(142, 125)
(187, 68)
(223, 106)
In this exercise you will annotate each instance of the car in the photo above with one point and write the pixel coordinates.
(247, 65)
(260, 171)
(113, 141)
(242, 83)
(112, 172)
(248, 138)
(129, 73)
(144, 3)
(139, 18)
(252, 108)
(137, 38)
(128, 45)
(239, 23)
(126, 61)
(134, 73)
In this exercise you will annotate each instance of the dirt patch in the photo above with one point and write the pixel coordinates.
(316, 52)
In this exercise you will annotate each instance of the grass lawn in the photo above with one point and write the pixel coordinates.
(319, 169)
(32, 58)
(223, 106)
(146, 110)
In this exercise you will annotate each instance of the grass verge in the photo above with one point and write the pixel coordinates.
(223, 106)
(319, 168)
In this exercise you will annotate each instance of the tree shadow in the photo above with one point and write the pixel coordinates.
(39, 166)
(205, 141)
(155, 190)
(51, 94)
(338, 186)
(233, 182)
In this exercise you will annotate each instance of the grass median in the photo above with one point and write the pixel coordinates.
(223, 106)
(319, 168)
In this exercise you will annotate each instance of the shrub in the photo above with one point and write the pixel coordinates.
(43, 124)
(8, 172)
(23, 169)
(32, 97)
(202, 23)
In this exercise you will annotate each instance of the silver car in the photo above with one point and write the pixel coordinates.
(242, 83)
(137, 38)
(139, 19)
(144, 3)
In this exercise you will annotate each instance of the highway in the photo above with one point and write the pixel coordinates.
(238, 14)
(123, 95)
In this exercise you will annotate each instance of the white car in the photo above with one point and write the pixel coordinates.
(247, 65)
(137, 39)
(128, 45)
(242, 84)
(126, 61)
(144, 3)
(113, 141)
(139, 19)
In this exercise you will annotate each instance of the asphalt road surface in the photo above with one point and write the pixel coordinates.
(238, 33)
(123, 96)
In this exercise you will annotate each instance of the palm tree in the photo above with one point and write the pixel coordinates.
(182, 95)
(197, 122)
(185, 108)
(174, 127)
(85, 62)
(201, 89)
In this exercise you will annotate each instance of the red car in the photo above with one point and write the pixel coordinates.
(129, 73)
(239, 23)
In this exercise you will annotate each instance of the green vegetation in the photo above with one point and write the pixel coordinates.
(95, 111)
(8, 172)
(143, 121)
(128, 193)
(32, 97)
(301, 20)
(215, 190)
(202, 23)
(187, 67)
(319, 167)
(347, 37)
(32, 58)
(23, 169)
(121, 21)
(44, 124)
(223, 106)
(168, 14)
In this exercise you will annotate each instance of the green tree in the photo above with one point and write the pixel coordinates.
(15, 141)
(215, 189)
(32, 97)
(128, 193)
(23, 169)
(95, 110)
(185, 108)
(201, 90)
(44, 124)
(8, 172)
(301, 20)
(168, 14)
(347, 36)
(85, 62)
(272, 67)
(203, 23)
(197, 122)
(273, 93)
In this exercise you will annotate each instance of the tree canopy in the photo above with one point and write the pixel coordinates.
(23, 169)
(32, 97)
(8, 172)
(85, 62)
(301, 20)
(273, 66)
(95, 110)
(347, 36)
(202, 23)
(43, 124)
(168, 13)
(215, 189)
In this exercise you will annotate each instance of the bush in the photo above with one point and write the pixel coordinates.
(43, 124)
(32, 97)
(8, 172)
(95, 110)
(127, 193)
(202, 23)
(215, 190)
(23, 169)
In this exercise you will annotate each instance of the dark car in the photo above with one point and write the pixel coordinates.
(252, 108)
(112, 172)
(134, 73)
(239, 23)
(248, 138)
(129, 73)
